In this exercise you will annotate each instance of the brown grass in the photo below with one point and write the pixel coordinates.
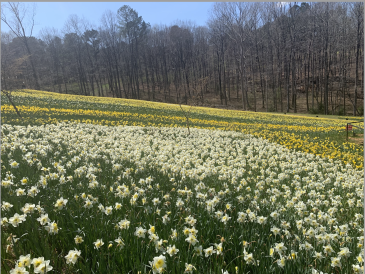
(357, 139)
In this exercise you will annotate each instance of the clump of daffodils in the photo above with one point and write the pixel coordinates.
(99, 243)
(24, 263)
(72, 256)
(158, 264)
(60, 203)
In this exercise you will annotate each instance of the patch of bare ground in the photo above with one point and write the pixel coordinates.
(357, 139)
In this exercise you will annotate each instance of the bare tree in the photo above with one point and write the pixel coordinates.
(357, 10)
(236, 17)
(20, 19)
(219, 40)
(134, 29)
(112, 49)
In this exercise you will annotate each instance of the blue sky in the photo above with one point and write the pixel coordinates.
(55, 14)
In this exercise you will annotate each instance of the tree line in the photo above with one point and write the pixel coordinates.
(252, 55)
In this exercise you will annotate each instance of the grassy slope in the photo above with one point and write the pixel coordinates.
(292, 130)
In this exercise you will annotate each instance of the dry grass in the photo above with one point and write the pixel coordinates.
(357, 139)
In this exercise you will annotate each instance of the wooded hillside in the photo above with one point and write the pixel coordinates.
(250, 56)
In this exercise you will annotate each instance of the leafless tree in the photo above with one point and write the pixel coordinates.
(20, 19)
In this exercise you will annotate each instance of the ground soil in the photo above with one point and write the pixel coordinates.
(357, 139)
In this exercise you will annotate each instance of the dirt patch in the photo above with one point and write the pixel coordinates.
(357, 139)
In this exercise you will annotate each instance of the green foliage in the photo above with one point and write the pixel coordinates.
(131, 25)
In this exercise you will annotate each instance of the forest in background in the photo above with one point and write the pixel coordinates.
(257, 56)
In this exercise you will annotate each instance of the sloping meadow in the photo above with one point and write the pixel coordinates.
(319, 136)
(127, 199)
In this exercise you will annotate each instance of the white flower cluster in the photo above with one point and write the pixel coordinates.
(301, 204)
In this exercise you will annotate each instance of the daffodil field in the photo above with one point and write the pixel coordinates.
(103, 185)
